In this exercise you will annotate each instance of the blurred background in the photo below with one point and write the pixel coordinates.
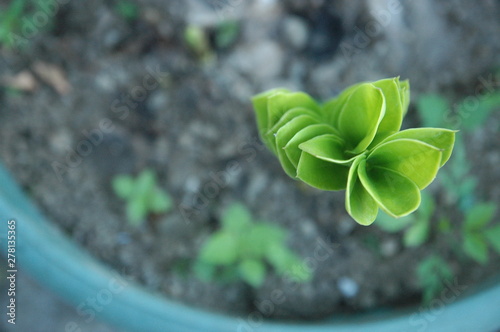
(93, 89)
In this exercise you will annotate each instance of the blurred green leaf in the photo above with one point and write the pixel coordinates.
(226, 33)
(475, 246)
(391, 224)
(417, 234)
(220, 249)
(123, 186)
(493, 236)
(159, 201)
(236, 218)
(432, 109)
(432, 272)
(479, 216)
(252, 271)
(475, 110)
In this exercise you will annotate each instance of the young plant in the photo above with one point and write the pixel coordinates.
(432, 273)
(416, 226)
(354, 142)
(243, 249)
(143, 196)
(127, 9)
(476, 235)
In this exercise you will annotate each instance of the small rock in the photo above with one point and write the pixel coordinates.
(295, 31)
(389, 248)
(348, 287)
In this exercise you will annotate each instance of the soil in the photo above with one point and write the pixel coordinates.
(137, 96)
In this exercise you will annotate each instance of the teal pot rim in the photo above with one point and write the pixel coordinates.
(62, 266)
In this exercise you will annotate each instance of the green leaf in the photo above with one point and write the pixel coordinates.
(327, 147)
(493, 236)
(391, 224)
(361, 116)
(292, 147)
(442, 139)
(359, 203)
(284, 135)
(220, 249)
(236, 219)
(252, 271)
(226, 33)
(394, 193)
(333, 107)
(414, 159)
(280, 103)
(291, 115)
(391, 122)
(321, 174)
(260, 103)
(479, 216)
(280, 258)
(475, 246)
(123, 186)
(417, 234)
(404, 93)
(432, 109)
(475, 110)
(204, 271)
(432, 272)
(136, 211)
(160, 201)
(145, 183)
(258, 239)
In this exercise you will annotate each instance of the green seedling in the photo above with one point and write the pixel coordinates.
(244, 249)
(226, 34)
(432, 273)
(127, 9)
(142, 194)
(416, 226)
(477, 235)
(196, 39)
(18, 22)
(354, 142)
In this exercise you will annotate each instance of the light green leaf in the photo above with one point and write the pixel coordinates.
(284, 135)
(391, 224)
(393, 117)
(394, 193)
(361, 116)
(475, 246)
(260, 103)
(416, 160)
(123, 186)
(475, 110)
(236, 219)
(252, 271)
(442, 139)
(493, 236)
(145, 183)
(204, 271)
(280, 103)
(136, 211)
(432, 109)
(280, 258)
(290, 115)
(262, 235)
(333, 107)
(321, 174)
(479, 216)
(359, 204)
(417, 234)
(160, 202)
(220, 249)
(404, 93)
(327, 147)
(292, 147)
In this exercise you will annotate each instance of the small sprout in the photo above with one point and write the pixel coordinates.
(477, 236)
(127, 9)
(197, 40)
(432, 273)
(226, 34)
(354, 142)
(243, 249)
(142, 194)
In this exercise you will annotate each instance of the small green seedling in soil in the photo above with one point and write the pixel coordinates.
(353, 142)
(432, 274)
(244, 249)
(226, 34)
(477, 235)
(196, 39)
(416, 226)
(142, 194)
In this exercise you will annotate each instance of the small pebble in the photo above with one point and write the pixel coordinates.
(348, 287)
